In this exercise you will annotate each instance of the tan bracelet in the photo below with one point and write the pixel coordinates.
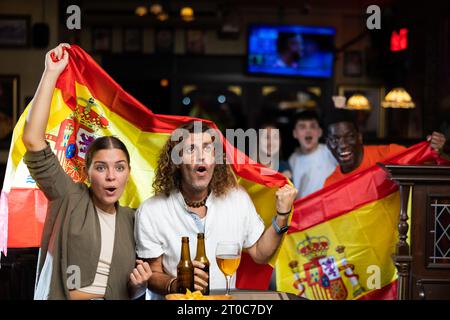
(169, 286)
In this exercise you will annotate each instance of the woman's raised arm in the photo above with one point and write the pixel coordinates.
(34, 130)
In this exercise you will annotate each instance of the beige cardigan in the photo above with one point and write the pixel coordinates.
(71, 235)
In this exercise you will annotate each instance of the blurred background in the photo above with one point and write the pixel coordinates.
(218, 60)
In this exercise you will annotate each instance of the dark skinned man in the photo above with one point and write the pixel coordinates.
(346, 144)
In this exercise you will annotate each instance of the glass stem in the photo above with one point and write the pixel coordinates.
(228, 285)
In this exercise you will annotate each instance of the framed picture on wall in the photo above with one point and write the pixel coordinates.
(371, 122)
(132, 40)
(101, 39)
(353, 64)
(9, 109)
(14, 31)
(195, 41)
(164, 40)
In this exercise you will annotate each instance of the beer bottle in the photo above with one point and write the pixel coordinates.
(201, 257)
(185, 268)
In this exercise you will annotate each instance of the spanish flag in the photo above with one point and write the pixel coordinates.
(88, 103)
(341, 238)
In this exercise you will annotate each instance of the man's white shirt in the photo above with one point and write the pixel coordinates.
(309, 171)
(161, 222)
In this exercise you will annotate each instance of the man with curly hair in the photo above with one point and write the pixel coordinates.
(197, 192)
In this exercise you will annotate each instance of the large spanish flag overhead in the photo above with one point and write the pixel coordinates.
(341, 238)
(88, 103)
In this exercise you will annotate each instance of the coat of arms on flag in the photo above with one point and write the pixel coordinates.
(323, 275)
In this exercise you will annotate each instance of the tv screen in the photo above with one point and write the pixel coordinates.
(291, 50)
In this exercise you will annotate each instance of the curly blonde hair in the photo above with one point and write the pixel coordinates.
(168, 176)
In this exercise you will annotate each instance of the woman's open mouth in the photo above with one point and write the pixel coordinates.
(110, 191)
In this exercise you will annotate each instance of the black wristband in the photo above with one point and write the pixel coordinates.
(284, 214)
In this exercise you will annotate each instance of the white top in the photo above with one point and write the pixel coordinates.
(107, 228)
(309, 171)
(161, 222)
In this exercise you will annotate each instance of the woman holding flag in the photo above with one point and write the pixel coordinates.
(87, 248)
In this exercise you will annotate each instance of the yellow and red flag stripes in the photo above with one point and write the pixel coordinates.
(341, 238)
(87, 103)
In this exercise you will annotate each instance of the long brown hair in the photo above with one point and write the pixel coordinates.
(168, 175)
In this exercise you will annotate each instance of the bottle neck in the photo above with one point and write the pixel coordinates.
(201, 248)
(185, 252)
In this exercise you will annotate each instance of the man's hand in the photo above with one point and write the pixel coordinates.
(437, 140)
(200, 276)
(285, 198)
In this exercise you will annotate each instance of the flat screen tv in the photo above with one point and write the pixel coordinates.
(302, 51)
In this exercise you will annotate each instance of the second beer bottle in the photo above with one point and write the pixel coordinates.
(185, 268)
(201, 257)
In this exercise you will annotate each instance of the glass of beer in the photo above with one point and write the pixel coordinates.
(228, 257)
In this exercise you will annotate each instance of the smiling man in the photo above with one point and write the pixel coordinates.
(197, 192)
(346, 144)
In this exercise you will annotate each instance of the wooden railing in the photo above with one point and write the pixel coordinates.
(423, 260)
